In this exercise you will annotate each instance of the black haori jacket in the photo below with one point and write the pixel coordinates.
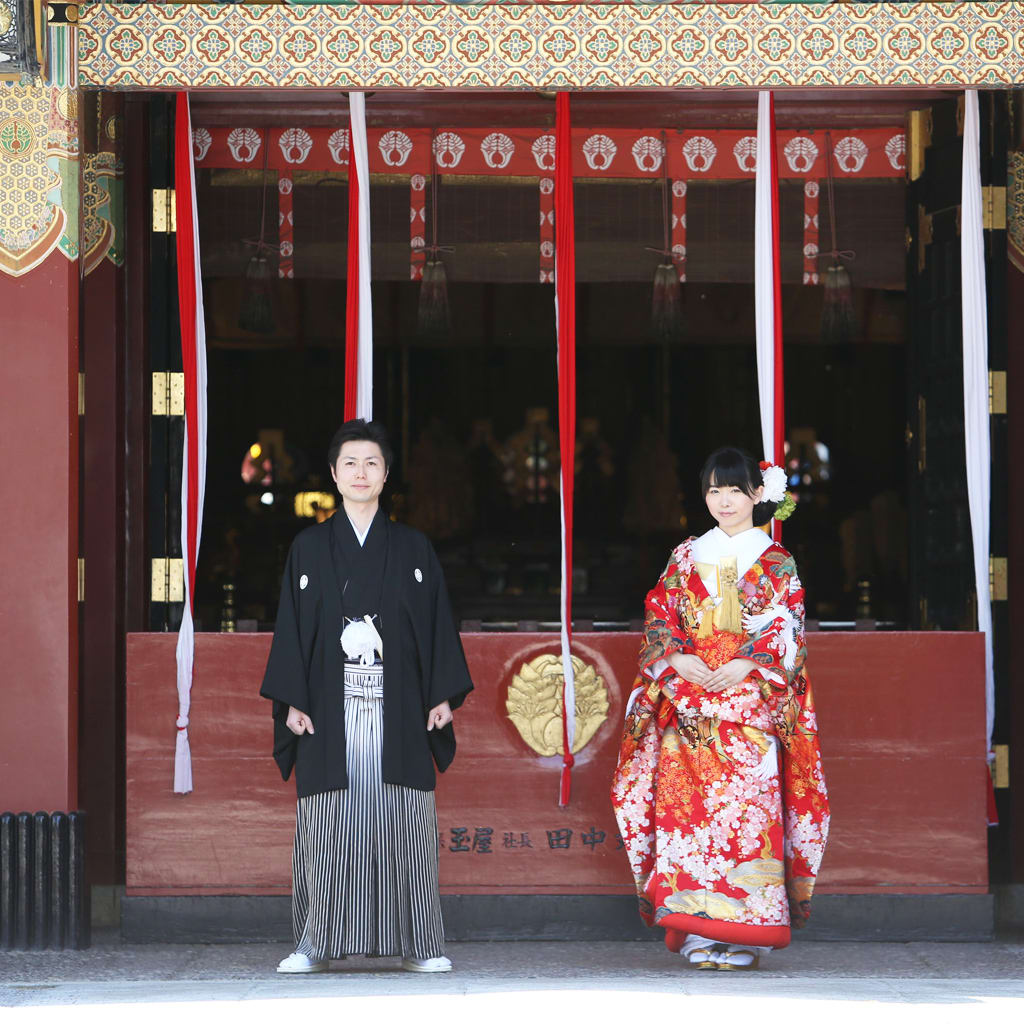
(424, 663)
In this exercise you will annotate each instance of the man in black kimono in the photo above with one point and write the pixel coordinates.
(364, 671)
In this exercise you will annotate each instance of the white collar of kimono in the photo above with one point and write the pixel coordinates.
(747, 547)
(361, 536)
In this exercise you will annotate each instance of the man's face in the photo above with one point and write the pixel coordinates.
(359, 471)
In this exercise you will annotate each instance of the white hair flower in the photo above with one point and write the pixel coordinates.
(774, 478)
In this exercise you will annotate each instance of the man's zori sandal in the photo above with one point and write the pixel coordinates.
(737, 958)
(435, 965)
(299, 963)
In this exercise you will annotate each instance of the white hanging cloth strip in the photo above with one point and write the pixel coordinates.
(976, 416)
(764, 287)
(357, 115)
(193, 474)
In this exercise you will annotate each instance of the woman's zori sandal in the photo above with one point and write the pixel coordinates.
(708, 955)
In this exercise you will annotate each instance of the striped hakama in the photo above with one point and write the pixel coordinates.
(365, 861)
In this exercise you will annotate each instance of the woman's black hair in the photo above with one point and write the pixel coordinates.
(733, 467)
(360, 430)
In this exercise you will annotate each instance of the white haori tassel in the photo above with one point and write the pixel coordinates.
(769, 766)
(360, 639)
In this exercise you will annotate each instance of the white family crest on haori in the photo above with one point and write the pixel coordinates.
(295, 145)
(543, 150)
(599, 151)
(895, 150)
(303, 581)
(800, 154)
(745, 152)
(360, 639)
(648, 152)
(700, 153)
(244, 144)
(850, 153)
(395, 147)
(448, 149)
(339, 144)
(418, 573)
(201, 142)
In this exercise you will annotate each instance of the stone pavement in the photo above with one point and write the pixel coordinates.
(930, 983)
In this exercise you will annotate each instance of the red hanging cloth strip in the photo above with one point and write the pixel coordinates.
(565, 318)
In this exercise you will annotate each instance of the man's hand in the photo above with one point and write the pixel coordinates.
(299, 722)
(730, 674)
(439, 717)
(689, 667)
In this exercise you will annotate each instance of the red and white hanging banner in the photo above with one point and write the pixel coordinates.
(692, 153)
(812, 193)
(565, 319)
(359, 311)
(547, 230)
(768, 288)
(679, 227)
(285, 226)
(193, 470)
(417, 226)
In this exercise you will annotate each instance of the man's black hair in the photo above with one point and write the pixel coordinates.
(360, 430)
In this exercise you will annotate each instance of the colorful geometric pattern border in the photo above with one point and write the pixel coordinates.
(157, 46)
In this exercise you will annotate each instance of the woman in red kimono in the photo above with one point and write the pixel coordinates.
(719, 792)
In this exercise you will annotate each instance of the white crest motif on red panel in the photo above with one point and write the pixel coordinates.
(895, 150)
(679, 189)
(679, 220)
(810, 278)
(418, 182)
(648, 152)
(201, 142)
(547, 276)
(285, 218)
(850, 154)
(679, 251)
(745, 152)
(547, 218)
(547, 186)
(284, 186)
(547, 249)
(395, 148)
(339, 144)
(811, 189)
(800, 154)
(599, 151)
(416, 242)
(497, 150)
(448, 149)
(543, 150)
(287, 248)
(810, 221)
(295, 145)
(700, 153)
(244, 144)
(810, 251)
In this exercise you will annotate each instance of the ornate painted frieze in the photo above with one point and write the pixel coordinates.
(592, 46)
(39, 161)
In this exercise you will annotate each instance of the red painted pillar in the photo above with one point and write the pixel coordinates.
(39, 539)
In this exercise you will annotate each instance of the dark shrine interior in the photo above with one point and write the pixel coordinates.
(472, 411)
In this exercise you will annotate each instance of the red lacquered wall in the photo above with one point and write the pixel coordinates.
(901, 718)
(39, 538)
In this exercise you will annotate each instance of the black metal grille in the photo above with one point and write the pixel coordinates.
(44, 903)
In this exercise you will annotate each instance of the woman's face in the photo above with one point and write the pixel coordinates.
(732, 507)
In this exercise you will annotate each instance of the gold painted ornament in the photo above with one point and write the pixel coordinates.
(534, 703)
